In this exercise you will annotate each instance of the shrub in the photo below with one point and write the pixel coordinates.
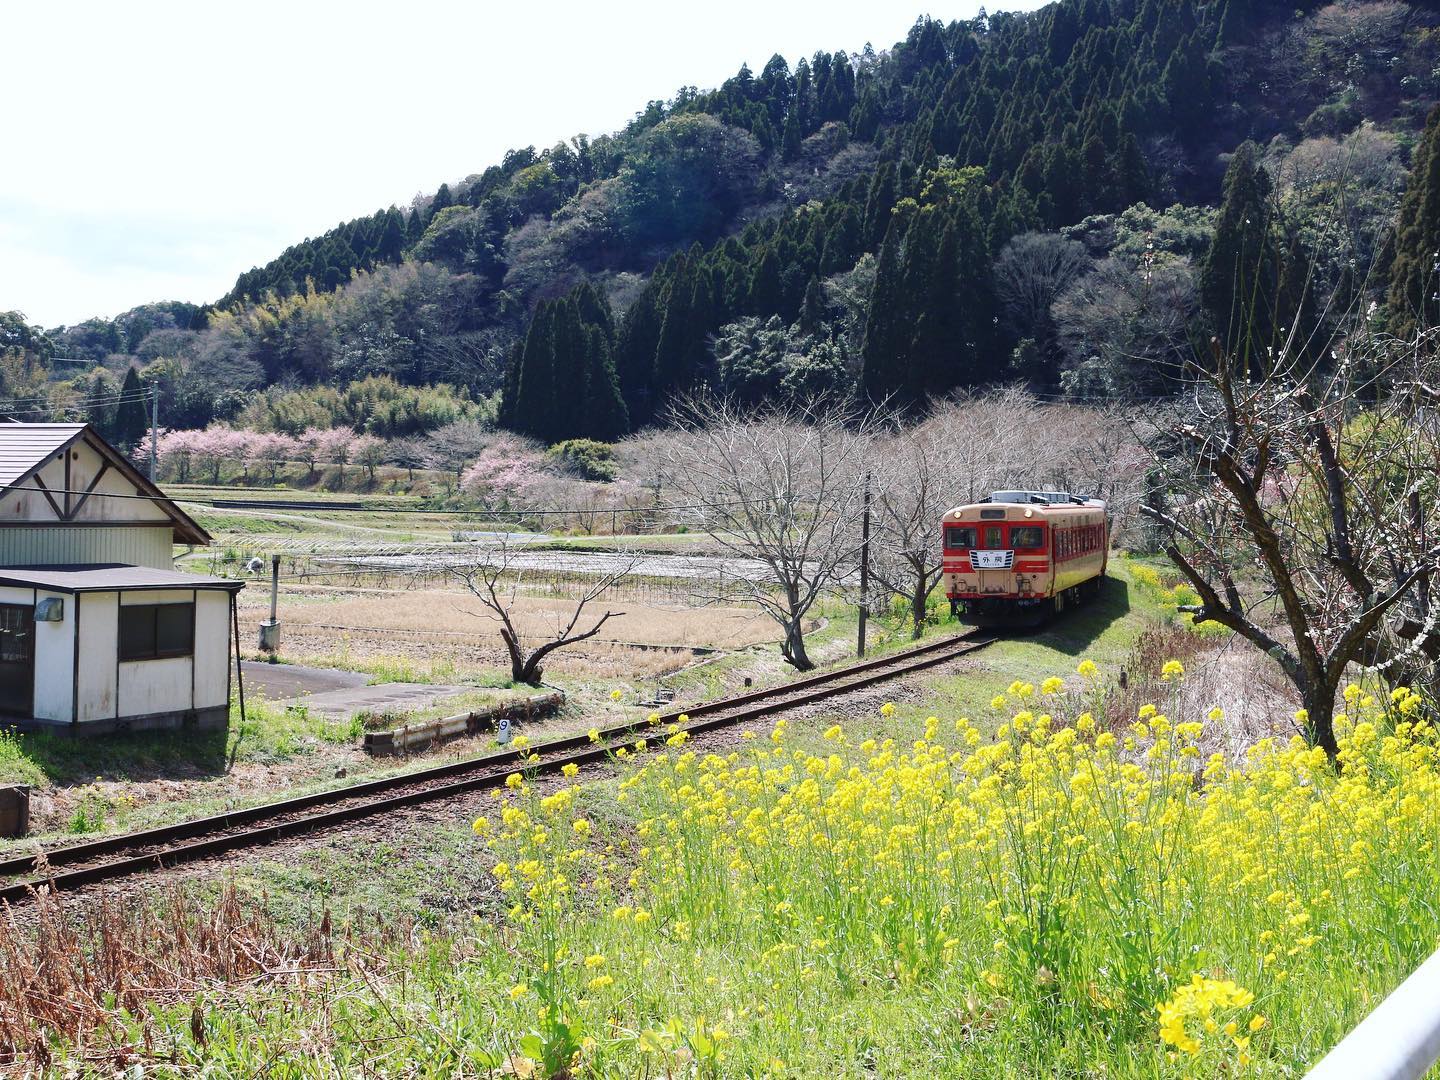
(587, 459)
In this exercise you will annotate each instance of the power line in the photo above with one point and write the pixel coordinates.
(482, 512)
(21, 404)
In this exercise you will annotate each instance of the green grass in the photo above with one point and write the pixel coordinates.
(1105, 631)
(949, 904)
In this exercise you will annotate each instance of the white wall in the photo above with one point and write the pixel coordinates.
(55, 663)
(212, 648)
(154, 686)
(110, 690)
(99, 646)
(28, 502)
(54, 655)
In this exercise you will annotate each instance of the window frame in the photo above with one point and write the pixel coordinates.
(129, 654)
(956, 527)
(1039, 532)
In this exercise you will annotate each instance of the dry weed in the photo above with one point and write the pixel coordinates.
(88, 977)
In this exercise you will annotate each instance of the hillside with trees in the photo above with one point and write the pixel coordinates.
(1053, 199)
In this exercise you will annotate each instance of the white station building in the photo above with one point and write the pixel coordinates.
(98, 631)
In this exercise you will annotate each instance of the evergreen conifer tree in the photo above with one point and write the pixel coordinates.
(886, 332)
(132, 414)
(1415, 271)
(1240, 276)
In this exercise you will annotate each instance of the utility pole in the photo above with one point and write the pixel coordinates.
(864, 569)
(154, 423)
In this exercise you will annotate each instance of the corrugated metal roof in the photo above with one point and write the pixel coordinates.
(103, 577)
(24, 446)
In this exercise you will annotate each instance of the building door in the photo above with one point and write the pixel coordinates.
(17, 659)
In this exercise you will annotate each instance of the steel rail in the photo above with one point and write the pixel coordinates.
(235, 829)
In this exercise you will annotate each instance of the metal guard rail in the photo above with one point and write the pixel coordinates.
(1399, 1040)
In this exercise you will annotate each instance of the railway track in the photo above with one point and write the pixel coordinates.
(107, 858)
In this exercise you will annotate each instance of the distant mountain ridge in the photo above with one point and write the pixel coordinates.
(848, 221)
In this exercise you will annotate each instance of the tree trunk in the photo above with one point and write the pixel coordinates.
(917, 611)
(1320, 718)
(793, 648)
(523, 669)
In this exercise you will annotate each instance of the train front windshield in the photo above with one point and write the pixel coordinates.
(959, 537)
(994, 537)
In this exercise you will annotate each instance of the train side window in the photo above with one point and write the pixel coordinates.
(1027, 536)
(959, 536)
(994, 536)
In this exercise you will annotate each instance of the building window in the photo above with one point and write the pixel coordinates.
(156, 631)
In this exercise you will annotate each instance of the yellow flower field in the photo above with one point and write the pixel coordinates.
(1011, 895)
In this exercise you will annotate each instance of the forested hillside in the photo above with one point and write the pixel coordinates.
(1057, 199)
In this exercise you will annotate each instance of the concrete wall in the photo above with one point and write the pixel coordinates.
(52, 545)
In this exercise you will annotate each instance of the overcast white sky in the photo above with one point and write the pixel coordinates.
(157, 149)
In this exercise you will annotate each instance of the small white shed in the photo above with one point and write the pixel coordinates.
(98, 631)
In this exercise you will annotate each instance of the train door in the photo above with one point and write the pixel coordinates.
(17, 659)
(993, 563)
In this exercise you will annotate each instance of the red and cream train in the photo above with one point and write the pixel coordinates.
(1020, 556)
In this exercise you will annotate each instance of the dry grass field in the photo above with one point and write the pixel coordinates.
(452, 629)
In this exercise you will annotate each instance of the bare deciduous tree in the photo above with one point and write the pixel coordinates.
(1297, 507)
(781, 487)
(914, 484)
(494, 579)
(1032, 270)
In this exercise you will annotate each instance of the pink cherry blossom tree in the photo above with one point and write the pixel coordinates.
(510, 470)
(274, 448)
(368, 451)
